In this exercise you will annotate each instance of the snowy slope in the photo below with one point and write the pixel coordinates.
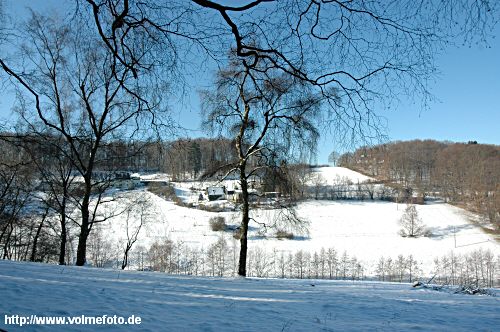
(331, 175)
(172, 303)
(365, 229)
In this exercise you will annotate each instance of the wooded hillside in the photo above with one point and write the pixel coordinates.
(466, 174)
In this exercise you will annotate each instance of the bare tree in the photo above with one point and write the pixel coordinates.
(372, 52)
(411, 224)
(102, 251)
(272, 117)
(137, 216)
(318, 183)
(17, 182)
(333, 157)
(56, 175)
(216, 257)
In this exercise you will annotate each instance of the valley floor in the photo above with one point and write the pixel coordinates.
(367, 230)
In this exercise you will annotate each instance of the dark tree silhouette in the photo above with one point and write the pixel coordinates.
(272, 116)
(70, 86)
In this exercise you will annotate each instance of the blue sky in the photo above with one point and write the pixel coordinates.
(467, 92)
(468, 105)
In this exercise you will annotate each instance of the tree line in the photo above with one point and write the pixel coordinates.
(465, 174)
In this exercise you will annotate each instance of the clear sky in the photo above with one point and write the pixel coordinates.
(468, 105)
(467, 92)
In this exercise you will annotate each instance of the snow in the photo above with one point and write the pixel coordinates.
(175, 303)
(331, 175)
(364, 229)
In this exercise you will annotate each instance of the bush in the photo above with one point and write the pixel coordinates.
(237, 233)
(179, 202)
(211, 208)
(427, 233)
(217, 224)
(281, 234)
(472, 290)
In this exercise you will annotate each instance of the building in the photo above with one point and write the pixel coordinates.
(216, 193)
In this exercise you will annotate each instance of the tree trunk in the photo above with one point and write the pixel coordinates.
(125, 255)
(35, 240)
(242, 267)
(62, 247)
(81, 254)
(125, 259)
(37, 235)
(6, 253)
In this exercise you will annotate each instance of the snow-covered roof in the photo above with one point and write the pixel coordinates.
(215, 191)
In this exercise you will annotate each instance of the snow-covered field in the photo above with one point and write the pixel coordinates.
(180, 303)
(366, 229)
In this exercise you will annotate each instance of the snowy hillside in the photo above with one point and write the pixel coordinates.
(331, 175)
(180, 303)
(366, 230)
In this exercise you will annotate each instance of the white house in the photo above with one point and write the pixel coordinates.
(216, 193)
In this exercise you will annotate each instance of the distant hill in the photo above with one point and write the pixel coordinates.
(464, 174)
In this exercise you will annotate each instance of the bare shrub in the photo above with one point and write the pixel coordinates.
(218, 224)
(281, 234)
(237, 233)
(211, 208)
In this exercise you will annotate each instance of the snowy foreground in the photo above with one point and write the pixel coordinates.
(175, 303)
